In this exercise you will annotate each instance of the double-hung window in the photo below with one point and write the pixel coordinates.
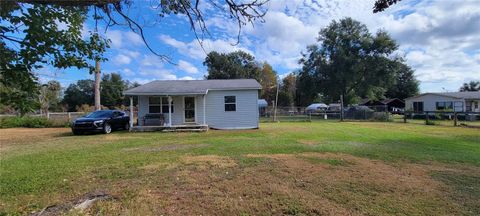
(158, 105)
(230, 103)
(154, 105)
(418, 106)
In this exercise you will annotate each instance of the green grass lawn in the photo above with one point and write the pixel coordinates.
(282, 168)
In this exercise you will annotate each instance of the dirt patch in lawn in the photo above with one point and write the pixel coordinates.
(296, 184)
(205, 161)
(19, 136)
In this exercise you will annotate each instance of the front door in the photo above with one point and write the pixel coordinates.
(189, 109)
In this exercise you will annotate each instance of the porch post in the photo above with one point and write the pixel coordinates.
(169, 111)
(204, 122)
(131, 113)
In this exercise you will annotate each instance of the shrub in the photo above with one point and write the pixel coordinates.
(382, 116)
(25, 121)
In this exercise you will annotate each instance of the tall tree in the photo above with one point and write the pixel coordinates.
(234, 65)
(112, 90)
(349, 61)
(268, 80)
(471, 86)
(405, 84)
(288, 90)
(79, 93)
(49, 95)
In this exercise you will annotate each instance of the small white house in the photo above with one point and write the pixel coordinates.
(218, 104)
(452, 101)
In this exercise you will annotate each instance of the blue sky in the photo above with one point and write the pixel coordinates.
(440, 40)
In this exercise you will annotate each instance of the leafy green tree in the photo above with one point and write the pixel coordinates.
(287, 94)
(349, 61)
(381, 5)
(79, 93)
(234, 65)
(268, 80)
(49, 95)
(405, 84)
(471, 86)
(112, 90)
(31, 38)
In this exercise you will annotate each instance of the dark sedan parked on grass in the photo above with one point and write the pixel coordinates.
(101, 121)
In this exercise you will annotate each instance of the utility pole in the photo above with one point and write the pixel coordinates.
(341, 107)
(97, 85)
(276, 104)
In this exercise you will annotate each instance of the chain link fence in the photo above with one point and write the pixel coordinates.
(443, 118)
(359, 113)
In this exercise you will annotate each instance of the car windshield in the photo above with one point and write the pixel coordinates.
(99, 114)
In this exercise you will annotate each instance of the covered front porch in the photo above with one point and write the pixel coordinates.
(168, 112)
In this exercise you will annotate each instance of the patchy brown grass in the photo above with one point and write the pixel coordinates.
(16, 137)
(289, 184)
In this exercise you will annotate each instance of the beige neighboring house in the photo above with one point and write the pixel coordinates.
(452, 101)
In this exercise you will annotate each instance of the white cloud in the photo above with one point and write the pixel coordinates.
(120, 39)
(122, 59)
(187, 67)
(127, 72)
(186, 78)
(194, 50)
(133, 38)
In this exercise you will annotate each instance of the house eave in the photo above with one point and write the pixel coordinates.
(420, 95)
(185, 93)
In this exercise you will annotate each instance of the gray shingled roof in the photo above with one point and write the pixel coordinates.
(177, 87)
(464, 95)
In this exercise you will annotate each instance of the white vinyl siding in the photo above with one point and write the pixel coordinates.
(430, 102)
(245, 116)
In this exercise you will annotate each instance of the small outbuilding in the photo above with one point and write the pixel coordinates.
(218, 104)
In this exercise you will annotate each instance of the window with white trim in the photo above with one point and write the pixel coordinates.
(158, 105)
(154, 105)
(230, 103)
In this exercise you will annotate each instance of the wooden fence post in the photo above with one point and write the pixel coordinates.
(455, 119)
(404, 117)
(426, 118)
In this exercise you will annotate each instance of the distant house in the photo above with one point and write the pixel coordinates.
(452, 101)
(393, 104)
(219, 104)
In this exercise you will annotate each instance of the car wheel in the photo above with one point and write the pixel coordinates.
(75, 132)
(127, 126)
(107, 128)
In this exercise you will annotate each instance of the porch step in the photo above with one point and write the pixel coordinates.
(175, 128)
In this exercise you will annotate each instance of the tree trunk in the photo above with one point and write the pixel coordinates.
(97, 86)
